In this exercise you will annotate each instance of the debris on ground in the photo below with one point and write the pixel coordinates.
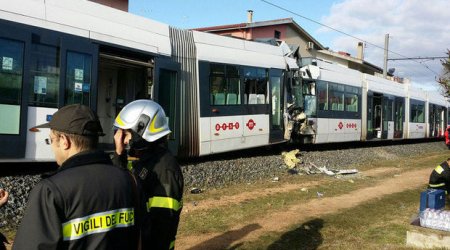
(290, 158)
(319, 195)
(275, 179)
(330, 172)
(195, 190)
(295, 166)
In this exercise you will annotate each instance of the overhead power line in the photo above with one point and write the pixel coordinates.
(349, 35)
(412, 58)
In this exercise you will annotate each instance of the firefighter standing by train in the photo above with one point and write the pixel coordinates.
(143, 128)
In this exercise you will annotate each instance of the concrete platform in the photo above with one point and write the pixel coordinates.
(423, 237)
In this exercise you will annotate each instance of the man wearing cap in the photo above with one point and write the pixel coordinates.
(87, 203)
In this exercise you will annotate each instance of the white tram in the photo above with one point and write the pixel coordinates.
(219, 93)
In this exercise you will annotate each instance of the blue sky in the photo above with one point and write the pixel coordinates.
(416, 27)
(201, 13)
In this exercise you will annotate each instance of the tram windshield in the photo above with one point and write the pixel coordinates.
(309, 97)
(304, 95)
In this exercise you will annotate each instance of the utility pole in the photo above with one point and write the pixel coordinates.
(386, 49)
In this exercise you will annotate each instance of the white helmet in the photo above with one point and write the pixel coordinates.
(145, 117)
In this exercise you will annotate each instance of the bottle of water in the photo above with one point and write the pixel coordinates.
(436, 219)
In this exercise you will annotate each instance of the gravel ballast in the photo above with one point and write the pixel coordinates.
(224, 170)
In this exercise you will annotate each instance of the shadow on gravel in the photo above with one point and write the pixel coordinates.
(307, 236)
(225, 240)
(26, 168)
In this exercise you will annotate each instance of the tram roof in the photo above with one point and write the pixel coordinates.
(90, 20)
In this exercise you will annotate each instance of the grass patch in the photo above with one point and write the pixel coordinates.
(378, 224)
(341, 227)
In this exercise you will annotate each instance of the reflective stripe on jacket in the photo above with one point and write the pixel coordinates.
(87, 204)
(440, 177)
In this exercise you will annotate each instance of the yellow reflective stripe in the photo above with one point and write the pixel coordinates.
(164, 202)
(152, 128)
(439, 169)
(97, 223)
(119, 121)
(172, 244)
(437, 185)
(130, 165)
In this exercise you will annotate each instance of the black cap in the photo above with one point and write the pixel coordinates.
(75, 119)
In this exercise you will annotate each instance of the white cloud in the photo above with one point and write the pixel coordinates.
(417, 28)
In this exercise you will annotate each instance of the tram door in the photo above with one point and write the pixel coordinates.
(432, 120)
(166, 93)
(377, 116)
(399, 117)
(436, 120)
(120, 82)
(277, 88)
(370, 116)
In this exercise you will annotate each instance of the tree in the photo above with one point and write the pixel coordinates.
(444, 79)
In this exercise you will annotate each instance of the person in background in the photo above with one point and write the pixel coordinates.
(447, 136)
(142, 126)
(440, 177)
(87, 203)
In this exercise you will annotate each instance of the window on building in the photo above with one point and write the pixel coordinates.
(224, 84)
(277, 34)
(44, 76)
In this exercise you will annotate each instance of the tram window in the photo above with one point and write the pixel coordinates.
(309, 88)
(336, 97)
(224, 85)
(11, 71)
(309, 93)
(417, 113)
(217, 90)
(78, 78)
(322, 92)
(217, 69)
(390, 110)
(11, 77)
(420, 113)
(296, 92)
(351, 102)
(44, 76)
(233, 91)
(255, 85)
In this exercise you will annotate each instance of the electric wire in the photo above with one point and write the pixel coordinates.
(346, 34)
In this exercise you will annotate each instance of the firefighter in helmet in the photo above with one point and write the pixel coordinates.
(142, 128)
(440, 177)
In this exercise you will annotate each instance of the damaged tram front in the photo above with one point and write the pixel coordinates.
(301, 105)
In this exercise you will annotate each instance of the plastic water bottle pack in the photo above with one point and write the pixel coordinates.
(436, 219)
